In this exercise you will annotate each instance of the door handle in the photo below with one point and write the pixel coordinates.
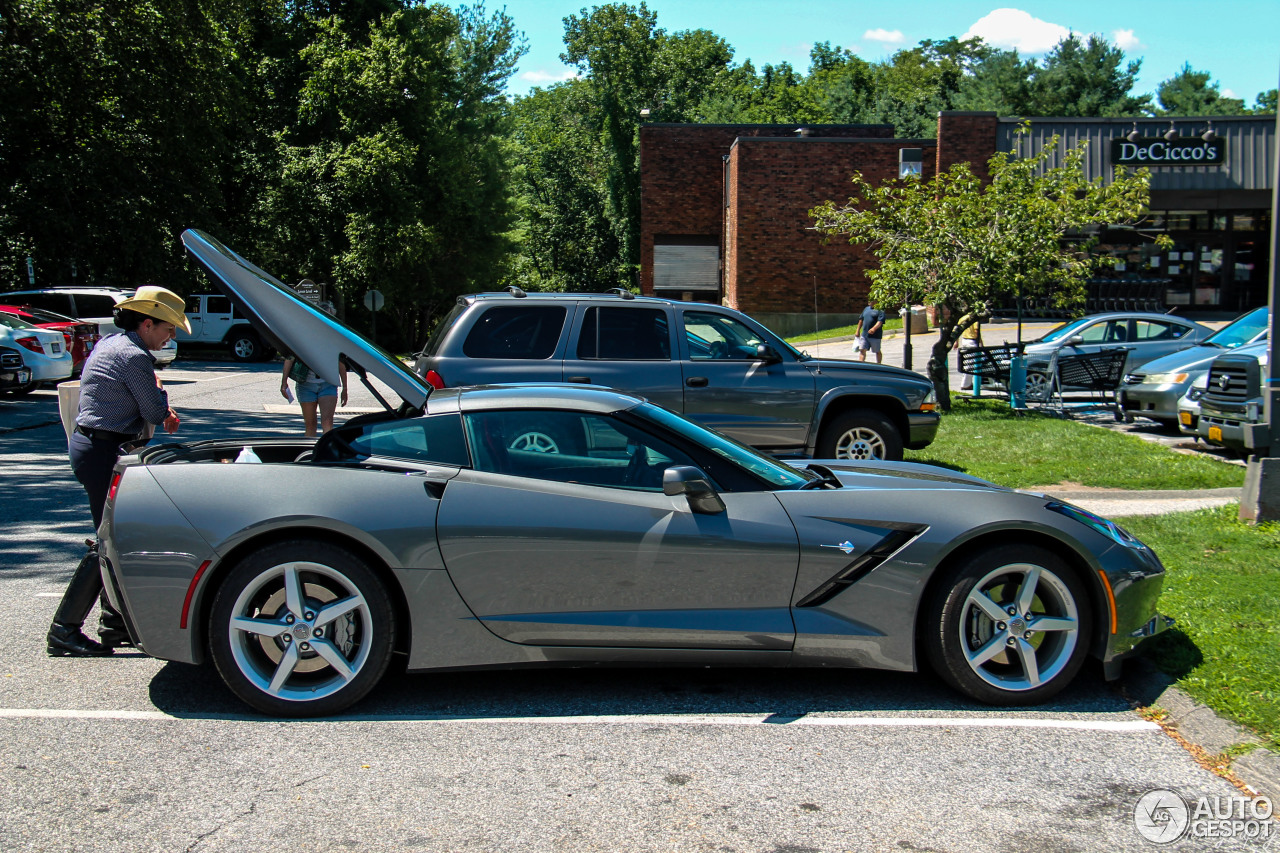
(696, 382)
(584, 380)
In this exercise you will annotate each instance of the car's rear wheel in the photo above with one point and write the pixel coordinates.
(246, 346)
(1009, 625)
(860, 434)
(301, 628)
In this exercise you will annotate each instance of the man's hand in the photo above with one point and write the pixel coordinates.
(171, 422)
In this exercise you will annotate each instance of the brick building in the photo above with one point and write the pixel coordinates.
(724, 208)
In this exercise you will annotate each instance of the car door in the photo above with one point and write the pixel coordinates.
(195, 318)
(627, 347)
(1152, 339)
(729, 388)
(217, 318)
(578, 546)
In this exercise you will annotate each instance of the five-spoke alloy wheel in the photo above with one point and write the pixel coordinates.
(1009, 626)
(301, 629)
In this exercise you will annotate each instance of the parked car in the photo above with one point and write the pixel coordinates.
(715, 365)
(78, 337)
(1147, 337)
(87, 304)
(1231, 409)
(214, 322)
(14, 374)
(431, 530)
(1189, 406)
(42, 351)
(1154, 389)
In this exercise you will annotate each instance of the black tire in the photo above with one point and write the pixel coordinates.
(246, 346)
(1008, 662)
(22, 390)
(358, 639)
(544, 436)
(860, 434)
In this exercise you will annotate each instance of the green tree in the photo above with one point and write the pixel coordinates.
(1265, 103)
(999, 81)
(1189, 93)
(966, 246)
(1085, 78)
(393, 174)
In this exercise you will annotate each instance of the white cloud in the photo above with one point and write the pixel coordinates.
(539, 78)
(1014, 29)
(1228, 93)
(1125, 39)
(886, 36)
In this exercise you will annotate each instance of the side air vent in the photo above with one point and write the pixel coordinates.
(860, 567)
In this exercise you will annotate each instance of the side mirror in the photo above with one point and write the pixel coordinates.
(767, 354)
(1075, 340)
(693, 484)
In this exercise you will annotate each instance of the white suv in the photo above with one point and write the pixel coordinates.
(214, 322)
(90, 304)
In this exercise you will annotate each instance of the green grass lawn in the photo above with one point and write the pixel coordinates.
(987, 439)
(841, 332)
(1223, 587)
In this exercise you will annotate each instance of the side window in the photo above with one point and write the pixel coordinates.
(193, 305)
(1097, 333)
(625, 334)
(94, 305)
(59, 302)
(570, 447)
(1149, 330)
(217, 305)
(719, 337)
(516, 332)
(437, 439)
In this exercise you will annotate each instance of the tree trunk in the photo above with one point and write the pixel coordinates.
(938, 372)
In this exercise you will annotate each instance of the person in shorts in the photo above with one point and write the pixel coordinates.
(870, 331)
(315, 395)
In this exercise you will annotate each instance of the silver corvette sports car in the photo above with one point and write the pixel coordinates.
(562, 525)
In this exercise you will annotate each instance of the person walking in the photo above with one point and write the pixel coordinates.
(871, 331)
(121, 399)
(315, 394)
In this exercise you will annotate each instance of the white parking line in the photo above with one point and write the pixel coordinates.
(1115, 726)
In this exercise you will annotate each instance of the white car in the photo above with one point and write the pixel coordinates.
(90, 304)
(43, 351)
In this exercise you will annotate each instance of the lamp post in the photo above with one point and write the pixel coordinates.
(910, 165)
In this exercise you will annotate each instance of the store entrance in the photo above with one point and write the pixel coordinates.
(1196, 269)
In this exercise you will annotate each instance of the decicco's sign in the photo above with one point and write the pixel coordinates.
(1157, 151)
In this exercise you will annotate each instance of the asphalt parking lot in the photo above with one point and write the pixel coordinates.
(131, 754)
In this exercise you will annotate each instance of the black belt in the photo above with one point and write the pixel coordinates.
(105, 435)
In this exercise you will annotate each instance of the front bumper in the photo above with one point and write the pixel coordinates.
(922, 429)
(1158, 402)
(14, 378)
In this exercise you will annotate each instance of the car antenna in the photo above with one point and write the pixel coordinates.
(516, 292)
(622, 292)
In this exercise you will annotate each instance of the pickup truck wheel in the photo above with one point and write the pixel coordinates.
(245, 346)
(860, 434)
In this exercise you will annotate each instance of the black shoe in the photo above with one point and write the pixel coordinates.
(113, 638)
(70, 641)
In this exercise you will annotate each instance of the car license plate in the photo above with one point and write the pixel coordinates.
(1215, 433)
(57, 348)
(24, 376)
(1185, 417)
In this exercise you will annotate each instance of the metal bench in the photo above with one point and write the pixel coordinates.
(990, 365)
(1097, 373)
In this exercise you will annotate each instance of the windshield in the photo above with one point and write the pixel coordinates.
(1065, 330)
(1242, 330)
(764, 467)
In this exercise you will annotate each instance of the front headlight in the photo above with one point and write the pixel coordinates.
(1166, 378)
(1106, 527)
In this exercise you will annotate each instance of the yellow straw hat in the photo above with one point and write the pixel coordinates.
(159, 304)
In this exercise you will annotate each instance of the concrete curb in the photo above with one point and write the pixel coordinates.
(1200, 726)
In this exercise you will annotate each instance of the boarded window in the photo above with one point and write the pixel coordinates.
(686, 267)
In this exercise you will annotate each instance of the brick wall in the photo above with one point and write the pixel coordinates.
(774, 259)
(682, 183)
(966, 137)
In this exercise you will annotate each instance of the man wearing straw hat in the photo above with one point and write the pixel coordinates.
(120, 396)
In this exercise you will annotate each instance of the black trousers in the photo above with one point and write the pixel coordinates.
(92, 461)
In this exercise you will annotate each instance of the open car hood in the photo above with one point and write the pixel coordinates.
(291, 324)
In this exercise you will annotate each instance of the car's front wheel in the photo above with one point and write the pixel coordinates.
(301, 628)
(1009, 626)
(860, 434)
(1038, 387)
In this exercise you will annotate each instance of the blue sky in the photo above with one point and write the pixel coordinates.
(1235, 40)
